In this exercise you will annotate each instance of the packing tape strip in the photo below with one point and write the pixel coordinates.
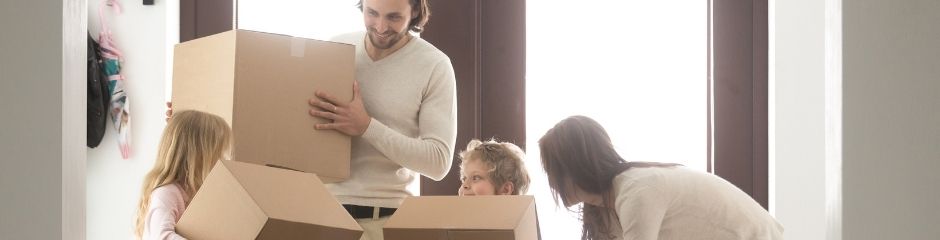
(297, 46)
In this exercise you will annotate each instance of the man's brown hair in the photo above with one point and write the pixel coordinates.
(422, 14)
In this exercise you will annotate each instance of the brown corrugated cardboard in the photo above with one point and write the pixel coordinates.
(247, 201)
(464, 218)
(260, 83)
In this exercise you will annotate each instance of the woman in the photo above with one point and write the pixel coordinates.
(644, 200)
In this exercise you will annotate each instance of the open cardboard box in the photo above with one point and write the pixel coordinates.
(464, 218)
(260, 84)
(248, 201)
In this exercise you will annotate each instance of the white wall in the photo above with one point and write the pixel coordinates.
(802, 131)
(855, 118)
(891, 119)
(145, 34)
(42, 128)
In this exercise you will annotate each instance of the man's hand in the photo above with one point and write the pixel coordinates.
(349, 118)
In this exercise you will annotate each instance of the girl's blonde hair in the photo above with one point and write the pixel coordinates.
(192, 142)
(504, 160)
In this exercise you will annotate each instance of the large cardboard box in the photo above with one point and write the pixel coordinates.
(260, 84)
(248, 201)
(464, 218)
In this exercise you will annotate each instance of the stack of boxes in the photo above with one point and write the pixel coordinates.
(273, 189)
(260, 83)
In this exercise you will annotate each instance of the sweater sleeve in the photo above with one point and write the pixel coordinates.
(641, 209)
(431, 153)
(161, 217)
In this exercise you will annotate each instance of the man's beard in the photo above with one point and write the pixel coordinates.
(393, 38)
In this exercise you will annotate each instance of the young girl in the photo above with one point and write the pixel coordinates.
(641, 200)
(492, 168)
(192, 143)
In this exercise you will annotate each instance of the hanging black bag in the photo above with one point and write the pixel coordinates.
(98, 95)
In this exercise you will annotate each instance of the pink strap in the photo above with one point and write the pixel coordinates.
(109, 50)
(115, 5)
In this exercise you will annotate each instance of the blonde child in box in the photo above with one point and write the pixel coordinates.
(192, 143)
(492, 168)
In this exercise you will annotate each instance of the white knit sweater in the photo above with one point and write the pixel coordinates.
(680, 203)
(411, 96)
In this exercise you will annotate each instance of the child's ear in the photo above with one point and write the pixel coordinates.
(506, 189)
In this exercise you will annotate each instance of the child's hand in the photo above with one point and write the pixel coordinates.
(169, 111)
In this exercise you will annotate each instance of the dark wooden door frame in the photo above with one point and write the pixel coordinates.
(485, 41)
(738, 59)
(200, 18)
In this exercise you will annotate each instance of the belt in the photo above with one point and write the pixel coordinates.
(357, 211)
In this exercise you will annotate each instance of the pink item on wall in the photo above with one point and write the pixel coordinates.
(120, 106)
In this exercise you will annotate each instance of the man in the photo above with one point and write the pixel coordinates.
(403, 114)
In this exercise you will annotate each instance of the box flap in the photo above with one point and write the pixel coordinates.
(529, 225)
(286, 230)
(221, 197)
(467, 213)
(480, 234)
(412, 233)
(291, 196)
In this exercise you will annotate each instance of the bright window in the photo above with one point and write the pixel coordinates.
(637, 67)
(316, 19)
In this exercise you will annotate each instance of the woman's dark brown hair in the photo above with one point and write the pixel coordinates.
(422, 10)
(577, 152)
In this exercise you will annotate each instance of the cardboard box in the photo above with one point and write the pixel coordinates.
(260, 84)
(464, 218)
(247, 201)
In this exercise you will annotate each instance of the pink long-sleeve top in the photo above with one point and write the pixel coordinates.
(167, 204)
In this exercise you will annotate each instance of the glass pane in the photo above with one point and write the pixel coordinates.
(637, 67)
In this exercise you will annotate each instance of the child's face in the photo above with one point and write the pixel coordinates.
(475, 179)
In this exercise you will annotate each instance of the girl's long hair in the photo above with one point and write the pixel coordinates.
(577, 152)
(192, 142)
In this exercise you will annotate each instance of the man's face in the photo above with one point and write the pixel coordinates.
(386, 21)
(474, 178)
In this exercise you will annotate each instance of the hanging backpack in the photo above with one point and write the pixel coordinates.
(98, 95)
(113, 60)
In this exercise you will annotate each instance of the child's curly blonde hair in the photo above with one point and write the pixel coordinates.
(504, 160)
